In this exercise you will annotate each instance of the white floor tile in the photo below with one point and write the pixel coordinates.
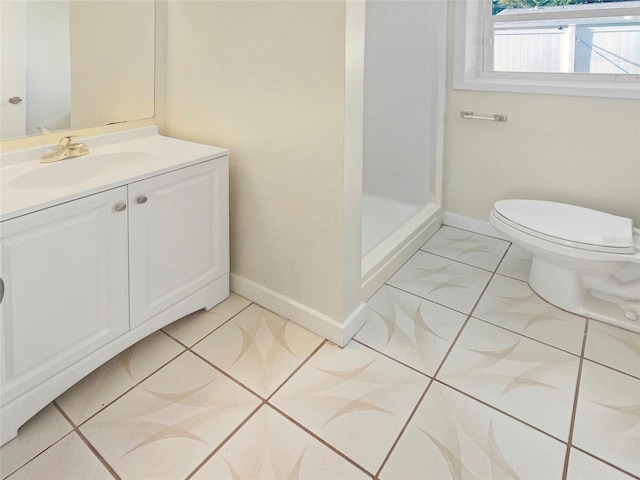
(198, 325)
(69, 459)
(412, 330)
(516, 263)
(36, 435)
(259, 348)
(585, 467)
(118, 375)
(607, 422)
(166, 426)
(452, 284)
(513, 305)
(531, 381)
(467, 247)
(453, 436)
(269, 446)
(354, 399)
(613, 347)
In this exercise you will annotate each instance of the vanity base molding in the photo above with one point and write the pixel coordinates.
(16, 413)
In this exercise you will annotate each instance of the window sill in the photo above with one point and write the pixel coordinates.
(549, 84)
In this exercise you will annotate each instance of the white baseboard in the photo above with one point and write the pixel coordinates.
(317, 322)
(377, 267)
(471, 224)
(385, 259)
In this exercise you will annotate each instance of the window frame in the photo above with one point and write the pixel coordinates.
(471, 47)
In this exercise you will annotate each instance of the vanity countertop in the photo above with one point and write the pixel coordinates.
(154, 154)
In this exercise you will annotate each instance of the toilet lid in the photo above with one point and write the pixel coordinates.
(569, 224)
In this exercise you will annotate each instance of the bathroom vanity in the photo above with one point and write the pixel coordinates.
(100, 251)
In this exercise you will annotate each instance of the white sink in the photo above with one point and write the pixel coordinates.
(80, 170)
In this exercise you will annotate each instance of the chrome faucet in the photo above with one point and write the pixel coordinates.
(67, 148)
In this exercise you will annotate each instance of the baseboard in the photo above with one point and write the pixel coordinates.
(384, 260)
(307, 317)
(471, 224)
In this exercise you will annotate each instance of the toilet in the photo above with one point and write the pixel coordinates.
(584, 261)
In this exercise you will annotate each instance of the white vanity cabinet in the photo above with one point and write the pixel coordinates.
(178, 241)
(85, 279)
(66, 289)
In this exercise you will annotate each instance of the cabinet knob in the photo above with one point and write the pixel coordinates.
(1, 289)
(121, 207)
(142, 200)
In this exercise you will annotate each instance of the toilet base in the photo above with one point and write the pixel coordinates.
(606, 291)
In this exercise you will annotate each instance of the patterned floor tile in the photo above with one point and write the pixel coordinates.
(534, 382)
(118, 375)
(166, 426)
(69, 459)
(585, 467)
(443, 281)
(36, 435)
(410, 329)
(607, 422)
(516, 263)
(512, 304)
(453, 436)
(270, 446)
(613, 347)
(354, 399)
(258, 348)
(467, 247)
(198, 325)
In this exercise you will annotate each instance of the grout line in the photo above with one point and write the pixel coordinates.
(219, 326)
(89, 445)
(507, 414)
(391, 358)
(504, 255)
(184, 345)
(604, 365)
(304, 362)
(233, 432)
(233, 379)
(474, 232)
(431, 380)
(404, 428)
(465, 263)
(575, 402)
(428, 300)
(31, 459)
(502, 327)
(320, 439)
(127, 390)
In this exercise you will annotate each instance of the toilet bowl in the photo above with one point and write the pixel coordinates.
(583, 261)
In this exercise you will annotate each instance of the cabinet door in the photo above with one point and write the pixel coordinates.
(66, 292)
(179, 236)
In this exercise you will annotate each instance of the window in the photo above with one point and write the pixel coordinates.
(578, 48)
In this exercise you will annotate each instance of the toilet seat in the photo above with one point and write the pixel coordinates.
(568, 225)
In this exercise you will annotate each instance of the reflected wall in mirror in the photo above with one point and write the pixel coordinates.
(69, 64)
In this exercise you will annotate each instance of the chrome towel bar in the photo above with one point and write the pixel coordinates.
(492, 118)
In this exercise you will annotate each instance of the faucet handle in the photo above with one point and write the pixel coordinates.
(68, 140)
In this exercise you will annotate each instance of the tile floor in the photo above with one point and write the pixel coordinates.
(460, 371)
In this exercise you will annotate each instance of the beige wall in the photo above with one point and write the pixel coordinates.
(579, 150)
(267, 81)
(112, 61)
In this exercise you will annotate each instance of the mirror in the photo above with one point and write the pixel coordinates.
(69, 64)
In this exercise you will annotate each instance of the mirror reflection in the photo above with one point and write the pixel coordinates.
(70, 64)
